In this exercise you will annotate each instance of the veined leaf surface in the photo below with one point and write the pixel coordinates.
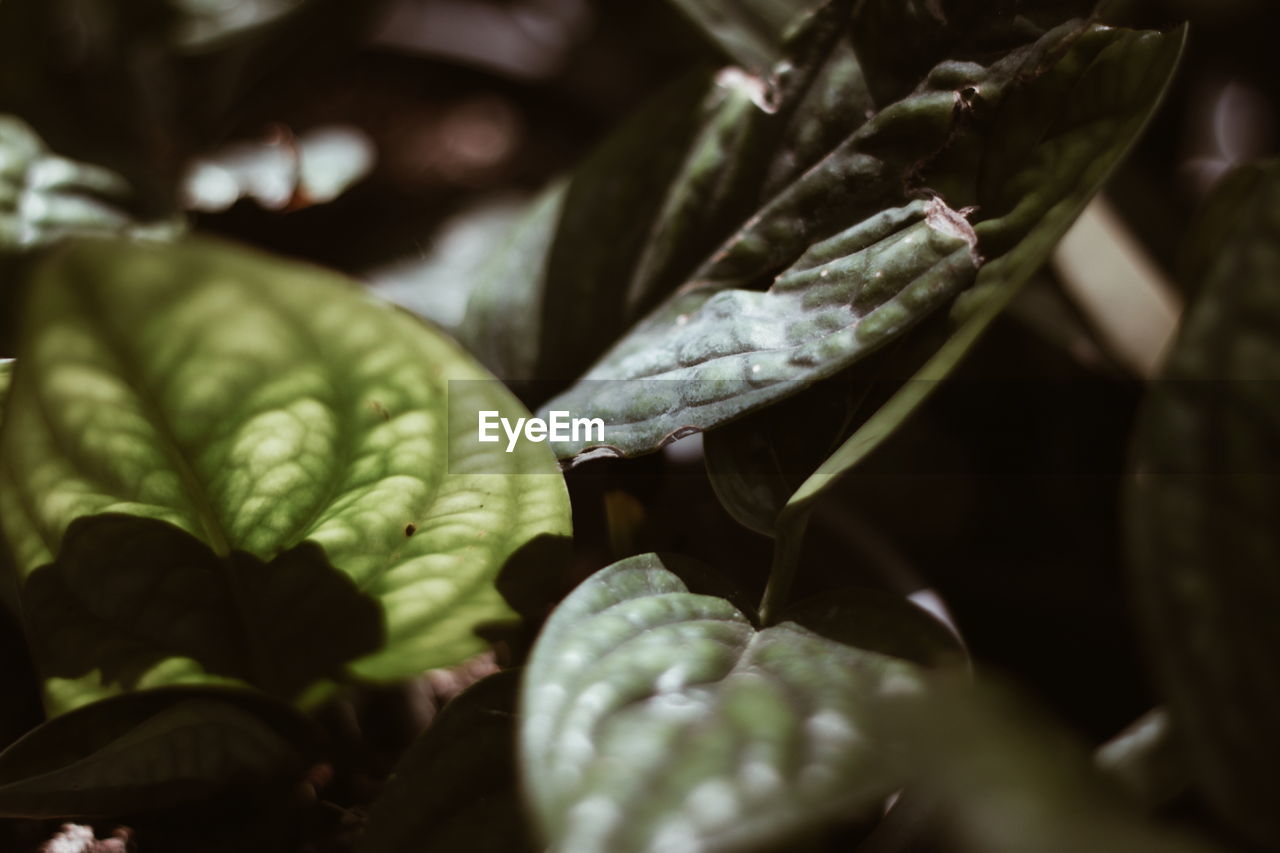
(293, 431)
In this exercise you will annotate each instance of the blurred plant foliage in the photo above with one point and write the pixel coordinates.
(240, 494)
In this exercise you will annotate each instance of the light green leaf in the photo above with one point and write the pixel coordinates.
(1064, 135)
(654, 719)
(456, 787)
(1203, 540)
(284, 423)
(154, 750)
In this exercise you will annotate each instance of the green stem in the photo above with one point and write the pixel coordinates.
(786, 559)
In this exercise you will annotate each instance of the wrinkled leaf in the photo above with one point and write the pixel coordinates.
(151, 751)
(277, 416)
(599, 250)
(657, 719)
(1112, 82)
(456, 787)
(1203, 539)
(999, 137)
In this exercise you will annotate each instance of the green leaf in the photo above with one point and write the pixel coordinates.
(154, 750)
(304, 434)
(599, 250)
(657, 719)
(1041, 130)
(1063, 136)
(456, 787)
(1203, 540)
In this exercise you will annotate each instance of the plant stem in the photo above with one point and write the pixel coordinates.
(786, 557)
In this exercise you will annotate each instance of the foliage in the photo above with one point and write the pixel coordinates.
(244, 507)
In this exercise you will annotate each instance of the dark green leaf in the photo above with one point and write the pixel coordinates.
(1059, 140)
(1204, 542)
(456, 787)
(598, 251)
(259, 405)
(1029, 140)
(151, 751)
(657, 719)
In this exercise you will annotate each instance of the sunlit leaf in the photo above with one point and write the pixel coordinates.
(1204, 542)
(456, 787)
(658, 719)
(154, 750)
(284, 424)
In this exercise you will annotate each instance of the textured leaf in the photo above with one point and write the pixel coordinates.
(599, 250)
(1204, 542)
(151, 751)
(1047, 161)
(657, 719)
(1033, 137)
(456, 787)
(298, 430)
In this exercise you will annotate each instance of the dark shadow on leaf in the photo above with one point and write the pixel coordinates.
(532, 580)
(154, 750)
(126, 593)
